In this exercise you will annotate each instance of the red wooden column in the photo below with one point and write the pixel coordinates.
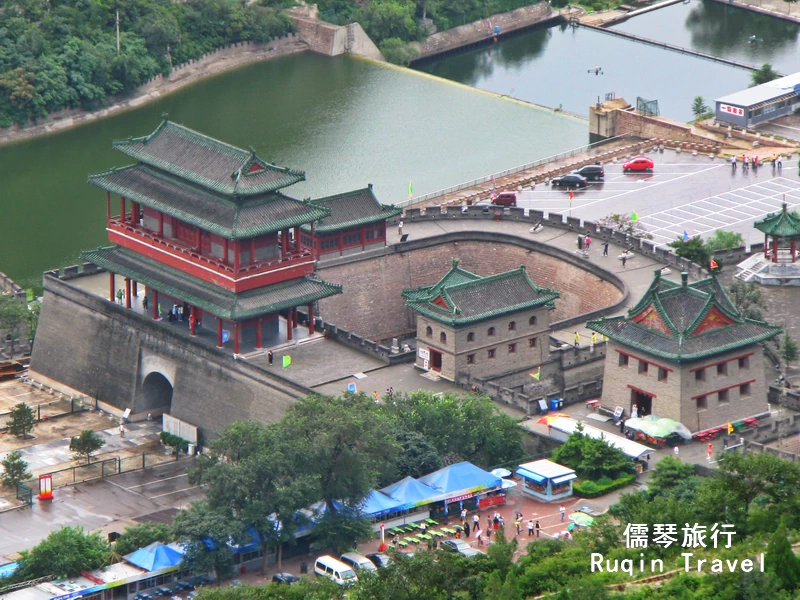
(127, 292)
(122, 209)
(219, 332)
(197, 241)
(766, 246)
(108, 205)
(134, 213)
(774, 249)
(192, 321)
(259, 341)
(236, 334)
(111, 287)
(314, 249)
(289, 326)
(135, 289)
(310, 319)
(155, 304)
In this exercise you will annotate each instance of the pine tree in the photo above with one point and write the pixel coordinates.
(22, 420)
(788, 350)
(781, 560)
(15, 470)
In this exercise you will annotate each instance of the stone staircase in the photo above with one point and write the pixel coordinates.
(748, 269)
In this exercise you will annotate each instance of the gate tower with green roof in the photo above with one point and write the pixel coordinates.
(205, 226)
(685, 352)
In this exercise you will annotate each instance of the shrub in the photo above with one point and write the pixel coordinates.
(593, 489)
(175, 441)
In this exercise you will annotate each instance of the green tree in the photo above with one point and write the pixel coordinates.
(781, 559)
(142, 535)
(747, 299)
(788, 350)
(397, 52)
(592, 458)
(744, 477)
(32, 318)
(12, 318)
(699, 106)
(722, 240)
(501, 553)
(763, 75)
(64, 553)
(15, 470)
(342, 530)
(205, 532)
(417, 456)
(694, 250)
(86, 444)
(668, 474)
(22, 420)
(320, 588)
(251, 474)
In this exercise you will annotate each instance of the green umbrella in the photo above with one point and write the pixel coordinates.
(581, 519)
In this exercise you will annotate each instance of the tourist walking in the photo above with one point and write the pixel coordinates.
(563, 510)
(120, 294)
(376, 396)
(780, 161)
(624, 258)
(587, 242)
(518, 525)
(145, 302)
(605, 248)
(270, 358)
(479, 535)
(121, 430)
(733, 162)
(530, 528)
(400, 228)
(538, 528)
(463, 515)
(466, 528)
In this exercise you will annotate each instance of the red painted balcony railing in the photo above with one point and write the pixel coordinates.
(184, 251)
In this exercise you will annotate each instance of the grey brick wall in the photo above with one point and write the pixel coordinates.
(106, 351)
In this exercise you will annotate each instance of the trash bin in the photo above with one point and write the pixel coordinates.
(304, 568)
(556, 403)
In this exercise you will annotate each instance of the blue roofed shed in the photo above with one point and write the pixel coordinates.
(546, 480)
(377, 505)
(410, 493)
(460, 481)
(154, 557)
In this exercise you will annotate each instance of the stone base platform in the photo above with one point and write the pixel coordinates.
(757, 269)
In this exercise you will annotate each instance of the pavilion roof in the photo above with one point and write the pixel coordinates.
(682, 322)
(350, 209)
(211, 298)
(208, 210)
(780, 224)
(207, 162)
(462, 298)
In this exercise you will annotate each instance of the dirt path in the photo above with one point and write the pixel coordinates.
(212, 64)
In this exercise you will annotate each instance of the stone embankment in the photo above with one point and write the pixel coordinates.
(212, 63)
(480, 32)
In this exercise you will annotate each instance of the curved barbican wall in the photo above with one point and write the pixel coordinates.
(372, 305)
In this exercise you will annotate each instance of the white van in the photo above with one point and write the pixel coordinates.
(338, 572)
(358, 562)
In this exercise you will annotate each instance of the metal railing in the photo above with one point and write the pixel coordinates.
(511, 171)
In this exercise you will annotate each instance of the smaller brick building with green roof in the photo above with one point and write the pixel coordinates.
(356, 221)
(482, 325)
(685, 352)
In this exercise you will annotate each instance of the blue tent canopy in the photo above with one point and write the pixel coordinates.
(154, 557)
(461, 478)
(409, 493)
(378, 504)
(249, 542)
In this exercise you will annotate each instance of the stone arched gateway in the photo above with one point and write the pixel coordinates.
(156, 394)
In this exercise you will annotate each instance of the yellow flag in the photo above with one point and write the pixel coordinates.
(730, 428)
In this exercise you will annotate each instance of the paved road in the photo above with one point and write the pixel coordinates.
(95, 504)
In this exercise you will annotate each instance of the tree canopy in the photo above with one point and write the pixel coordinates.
(56, 55)
(765, 74)
(694, 250)
(64, 553)
(86, 444)
(141, 535)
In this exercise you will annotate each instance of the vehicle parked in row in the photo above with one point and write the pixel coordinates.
(591, 172)
(639, 163)
(286, 578)
(335, 570)
(460, 546)
(505, 199)
(357, 562)
(380, 560)
(570, 180)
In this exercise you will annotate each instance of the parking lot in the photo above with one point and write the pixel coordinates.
(696, 194)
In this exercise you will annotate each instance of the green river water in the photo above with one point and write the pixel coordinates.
(346, 122)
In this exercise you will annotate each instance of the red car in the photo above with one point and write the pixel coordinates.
(640, 163)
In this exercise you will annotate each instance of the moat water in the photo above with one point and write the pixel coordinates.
(346, 122)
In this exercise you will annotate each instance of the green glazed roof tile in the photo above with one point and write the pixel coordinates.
(351, 209)
(214, 299)
(780, 224)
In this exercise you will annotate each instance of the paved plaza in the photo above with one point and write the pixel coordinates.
(696, 194)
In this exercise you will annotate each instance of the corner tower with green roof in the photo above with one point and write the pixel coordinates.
(204, 226)
(482, 325)
(685, 352)
(781, 232)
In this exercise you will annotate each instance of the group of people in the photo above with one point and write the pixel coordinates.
(777, 161)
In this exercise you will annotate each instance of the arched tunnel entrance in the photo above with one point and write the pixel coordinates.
(156, 393)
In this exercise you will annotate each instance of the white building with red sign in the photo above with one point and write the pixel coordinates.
(761, 103)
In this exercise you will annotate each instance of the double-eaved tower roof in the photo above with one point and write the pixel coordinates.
(682, 322)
